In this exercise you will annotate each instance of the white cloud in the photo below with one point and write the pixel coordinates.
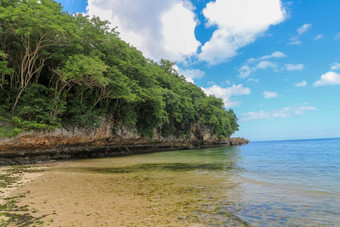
(318, 37)
(294, 41)
(329, 78)
(335, 66)
(179, 32)
(160, 29)
(269, 94)
(304, 28)
(253, 64)
(301, 84)
(228, 82)
(227, 93)
(239, 23)
(253, 80)
(266, 64)
(276, 54)
(191, 74)
(283, 113)
(291, 67)
(246, 70)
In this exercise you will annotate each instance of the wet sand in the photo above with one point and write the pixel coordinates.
(118, 192)
(12, 180)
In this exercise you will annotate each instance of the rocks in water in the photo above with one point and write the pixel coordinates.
(238, 141)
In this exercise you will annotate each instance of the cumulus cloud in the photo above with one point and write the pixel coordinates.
(304, 28)
(191, 74)
(266, 64)
(292, 67)
(269, 94)
(227, 93)
(239, 23)
(318, 37)
(282, 113)
(246, 70)
(179, 32)
(329, 78)
(160, 29)
(253, 64)
(335, 66)
(301, 84)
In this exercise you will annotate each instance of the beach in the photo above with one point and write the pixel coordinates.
(286, 183)
(88, 193)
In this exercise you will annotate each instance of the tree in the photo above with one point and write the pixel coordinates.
(88, 71)
(32, 31)
(4, 70)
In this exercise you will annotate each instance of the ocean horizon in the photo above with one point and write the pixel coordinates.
(299, 139)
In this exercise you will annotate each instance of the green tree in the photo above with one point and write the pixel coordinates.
(4, 70)
(82, 65)
(32, 31)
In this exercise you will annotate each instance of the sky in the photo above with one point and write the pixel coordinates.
(276, 63)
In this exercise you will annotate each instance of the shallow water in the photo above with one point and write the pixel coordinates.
(277, 183)
(268, 183)
(289, 183)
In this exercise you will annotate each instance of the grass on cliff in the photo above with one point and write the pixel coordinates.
(13, 126)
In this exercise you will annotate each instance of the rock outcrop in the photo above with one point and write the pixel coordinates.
(108, 139)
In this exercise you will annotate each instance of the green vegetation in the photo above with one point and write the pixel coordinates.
(57, 68)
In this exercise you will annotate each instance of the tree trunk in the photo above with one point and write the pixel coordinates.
(17, 99)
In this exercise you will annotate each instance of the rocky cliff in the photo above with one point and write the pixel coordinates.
(108, 139)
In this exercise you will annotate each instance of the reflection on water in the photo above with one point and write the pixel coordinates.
(263, 183)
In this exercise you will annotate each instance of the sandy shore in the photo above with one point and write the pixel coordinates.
(83, 193)
(12, 179)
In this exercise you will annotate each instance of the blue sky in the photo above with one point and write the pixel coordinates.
(275, 63)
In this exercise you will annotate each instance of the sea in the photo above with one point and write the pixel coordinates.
(287, 183)
(275, 183)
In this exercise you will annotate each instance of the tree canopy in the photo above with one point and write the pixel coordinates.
(57, 68)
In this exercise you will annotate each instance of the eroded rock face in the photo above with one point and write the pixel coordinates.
(108, 139)
(238, 141)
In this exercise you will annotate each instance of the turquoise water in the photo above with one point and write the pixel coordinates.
(288, 183)
(276, 183)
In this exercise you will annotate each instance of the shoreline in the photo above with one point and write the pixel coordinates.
(96, 192)
(28, 154)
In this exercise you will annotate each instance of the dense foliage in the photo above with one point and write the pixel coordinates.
(57, 68)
